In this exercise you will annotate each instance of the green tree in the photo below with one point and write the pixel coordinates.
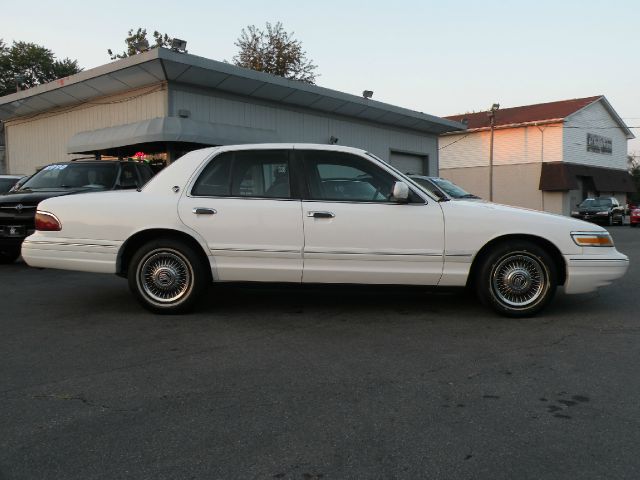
(140, 36)
(275, 51)
(29, 65)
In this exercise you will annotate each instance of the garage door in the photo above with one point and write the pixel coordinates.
(408, 163)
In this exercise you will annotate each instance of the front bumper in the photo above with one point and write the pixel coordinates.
(11, 242)
(586, 273)
(591, 217)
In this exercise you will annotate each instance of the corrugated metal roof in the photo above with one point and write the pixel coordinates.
(160, 65)
(167, 129)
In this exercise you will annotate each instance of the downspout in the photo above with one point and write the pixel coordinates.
(541, 157)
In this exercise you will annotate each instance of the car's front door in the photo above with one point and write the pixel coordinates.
(354, 233)
(243, 205)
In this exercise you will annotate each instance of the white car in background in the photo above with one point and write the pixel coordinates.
(305, 213)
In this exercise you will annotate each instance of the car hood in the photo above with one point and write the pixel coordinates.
(471, 223)
(32, 197)
(521, 216)
(36, 196)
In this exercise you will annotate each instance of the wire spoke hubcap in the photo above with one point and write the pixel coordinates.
(519, 280)
(165, 276)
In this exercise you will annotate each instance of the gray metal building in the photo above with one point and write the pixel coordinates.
(164, 103)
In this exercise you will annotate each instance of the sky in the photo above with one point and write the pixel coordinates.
(440, 58)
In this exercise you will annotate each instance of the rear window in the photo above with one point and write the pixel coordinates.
(74, 175)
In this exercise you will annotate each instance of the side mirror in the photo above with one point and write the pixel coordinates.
(400, 192)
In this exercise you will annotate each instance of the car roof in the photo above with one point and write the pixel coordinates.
(88, 161)
(426, 177)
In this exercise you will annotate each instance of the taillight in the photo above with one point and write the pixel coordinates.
(47, 222)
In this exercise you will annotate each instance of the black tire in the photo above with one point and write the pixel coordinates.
(610, 220)
(167, 276)
(9, 255)
(516, 279)
(633, 225)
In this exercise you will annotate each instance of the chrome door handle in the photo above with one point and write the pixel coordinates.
(204, 211)
(321, 214)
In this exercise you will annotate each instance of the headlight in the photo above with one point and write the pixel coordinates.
(602, 213)
(592, 239)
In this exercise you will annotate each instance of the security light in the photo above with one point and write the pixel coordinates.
(367, 93)
(178, 45)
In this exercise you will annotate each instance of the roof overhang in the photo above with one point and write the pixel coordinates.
(511, 125)
(562, 176)
(162, 65)
(167, 129)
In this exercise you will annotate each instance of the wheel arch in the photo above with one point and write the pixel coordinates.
(133, 243)
(550, 247)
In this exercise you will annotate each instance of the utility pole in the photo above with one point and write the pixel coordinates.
(492, 121)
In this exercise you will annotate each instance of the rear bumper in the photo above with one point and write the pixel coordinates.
(586, 273)
(70, 254)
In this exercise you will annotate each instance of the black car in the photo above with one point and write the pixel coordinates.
(605, 210)
(18, 207)
(7, 182)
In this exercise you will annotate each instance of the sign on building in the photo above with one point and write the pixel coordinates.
(599, 144)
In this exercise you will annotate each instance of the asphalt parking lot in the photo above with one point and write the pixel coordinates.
(307, 384)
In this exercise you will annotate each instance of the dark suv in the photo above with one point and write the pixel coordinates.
(605, 210)
(18, 207)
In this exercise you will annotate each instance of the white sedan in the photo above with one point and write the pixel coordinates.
(305, 213)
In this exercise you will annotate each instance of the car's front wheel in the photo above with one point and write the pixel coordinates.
(167, 276)
(517, 279)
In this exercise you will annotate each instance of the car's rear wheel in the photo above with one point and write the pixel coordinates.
(517, 279)
(167, 276)
(9, 255)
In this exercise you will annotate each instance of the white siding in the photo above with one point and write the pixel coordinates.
(511, 146)
(594, 119)
(36, 141)
(299, 125)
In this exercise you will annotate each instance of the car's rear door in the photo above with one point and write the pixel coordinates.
(355, 234)
(245, 206)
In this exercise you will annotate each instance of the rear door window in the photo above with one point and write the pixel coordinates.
(251, 173)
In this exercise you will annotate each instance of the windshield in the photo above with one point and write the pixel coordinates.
(450, 188)
(596, 202)
(73, 175)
